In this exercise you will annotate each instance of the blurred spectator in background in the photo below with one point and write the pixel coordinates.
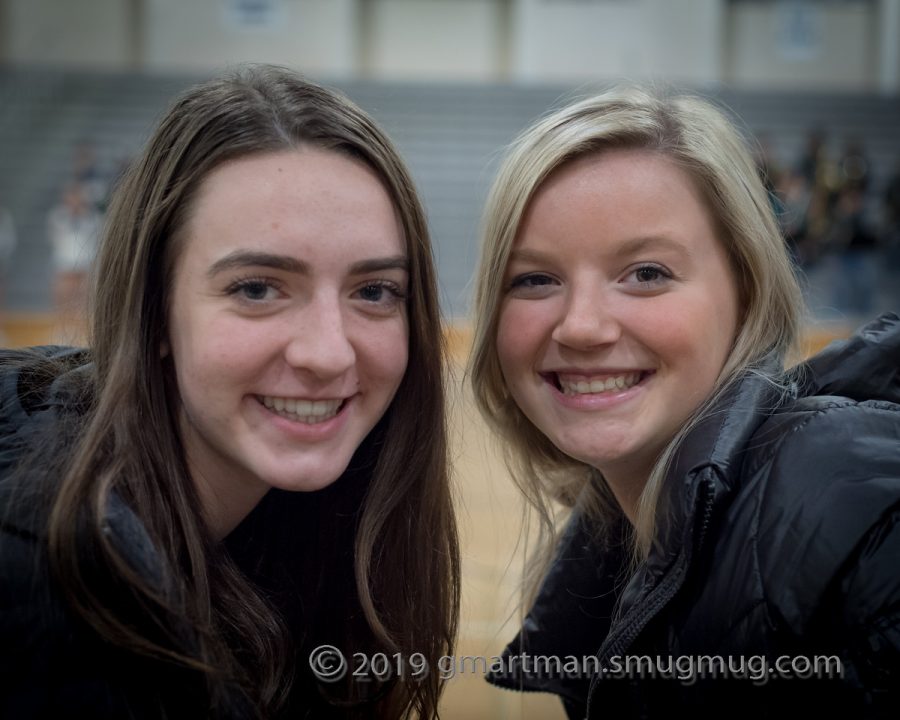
(820, 182)
(73, 227)
(853, 167)
(815, 165)
(892, 198)
(823, 215)
(795, 196)
(891, 234)
(7, 246)
(892, 212)
(855, 244)
(87, 174)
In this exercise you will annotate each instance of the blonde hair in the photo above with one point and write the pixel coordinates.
(696, 136)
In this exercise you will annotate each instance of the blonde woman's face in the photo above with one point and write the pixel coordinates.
(619, 311)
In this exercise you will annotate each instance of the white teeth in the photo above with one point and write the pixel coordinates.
(599, 385)
(306, 411)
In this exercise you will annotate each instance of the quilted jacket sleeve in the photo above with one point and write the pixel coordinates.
(830, 540)
(870, 616)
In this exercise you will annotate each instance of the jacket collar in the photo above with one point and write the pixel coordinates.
(708, 464)
(866, 366)
(574, 608)
(583, 591)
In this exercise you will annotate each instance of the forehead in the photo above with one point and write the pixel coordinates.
(623, 172)
(627, 192)
(307, 175)
(292, 201)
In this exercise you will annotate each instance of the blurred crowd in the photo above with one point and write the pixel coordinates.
(73, 226)
(73, 230)
(843, 232)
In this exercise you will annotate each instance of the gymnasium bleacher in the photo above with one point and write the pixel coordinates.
(451, 135)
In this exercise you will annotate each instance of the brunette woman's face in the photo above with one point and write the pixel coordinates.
(619, 311)
(287, 323)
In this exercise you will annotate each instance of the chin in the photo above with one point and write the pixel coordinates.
(307, 479)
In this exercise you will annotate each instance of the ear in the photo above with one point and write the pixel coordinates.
(164, 349)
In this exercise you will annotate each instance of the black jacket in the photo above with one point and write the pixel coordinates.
(779, 543)
(297, 549)
(52, 664)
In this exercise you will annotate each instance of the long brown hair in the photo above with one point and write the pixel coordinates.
(406, 561)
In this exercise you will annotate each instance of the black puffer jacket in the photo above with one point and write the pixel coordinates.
(297, 548)
(781, 543)
(51, 663)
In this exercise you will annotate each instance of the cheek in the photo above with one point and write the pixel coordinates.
(209, 355)
(714, 329)
(518, 340)
(695, 343)
(383, 352)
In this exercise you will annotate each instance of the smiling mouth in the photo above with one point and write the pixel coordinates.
(310, 412)
(572, 385)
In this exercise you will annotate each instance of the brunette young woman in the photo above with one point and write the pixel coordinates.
(250, 459)
(731, 521)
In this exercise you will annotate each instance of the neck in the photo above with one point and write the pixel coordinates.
(226, 496)
(628, 496)
(223, 510)
(627, 483)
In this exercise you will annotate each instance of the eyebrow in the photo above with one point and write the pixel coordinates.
(629, 247)
(250, 258)
(393, 262)
(526, 255)
(245, 258)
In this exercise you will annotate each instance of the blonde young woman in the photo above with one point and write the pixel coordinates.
(249, 462)
(635, 312)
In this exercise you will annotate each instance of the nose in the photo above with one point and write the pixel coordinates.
(318, 340)
(589, 319)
